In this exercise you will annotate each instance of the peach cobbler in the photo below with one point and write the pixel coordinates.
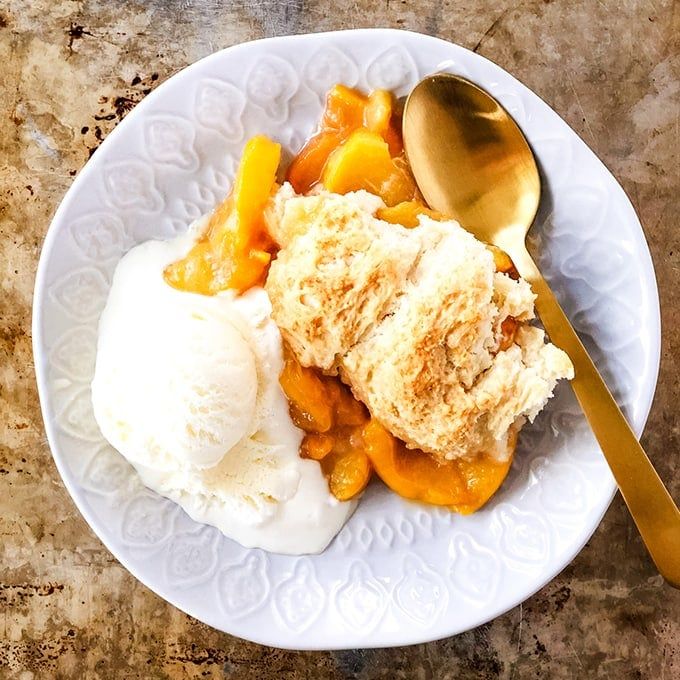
(401, 344)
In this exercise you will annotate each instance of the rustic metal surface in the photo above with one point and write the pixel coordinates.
(71, 70)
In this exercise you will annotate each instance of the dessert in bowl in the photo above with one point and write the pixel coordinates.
(259, 369)
(400, 571)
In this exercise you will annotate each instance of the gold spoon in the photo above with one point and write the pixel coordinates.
(471, 161)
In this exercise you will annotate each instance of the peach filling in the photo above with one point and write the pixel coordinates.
(334, 423)
(358, 146)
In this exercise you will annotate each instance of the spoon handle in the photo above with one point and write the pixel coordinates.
(653, 510)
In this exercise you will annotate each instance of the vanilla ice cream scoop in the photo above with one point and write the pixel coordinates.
(209, 398)
(186, 387)
(194, 375)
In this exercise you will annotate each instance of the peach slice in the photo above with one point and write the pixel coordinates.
(406, 213)
(306, 168)
(463, 486)
(349, 474)
(310, 407)
(234, 251)
(363, 161)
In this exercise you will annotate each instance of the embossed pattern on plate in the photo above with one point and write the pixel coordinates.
(398, 573)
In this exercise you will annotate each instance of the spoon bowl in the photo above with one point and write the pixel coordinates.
(453, 131)
(472, 162)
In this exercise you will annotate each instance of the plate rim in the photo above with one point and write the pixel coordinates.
(71, 484)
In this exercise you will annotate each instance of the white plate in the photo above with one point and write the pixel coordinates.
(398, 573)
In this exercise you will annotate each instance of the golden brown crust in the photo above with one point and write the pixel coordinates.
(412, 320)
